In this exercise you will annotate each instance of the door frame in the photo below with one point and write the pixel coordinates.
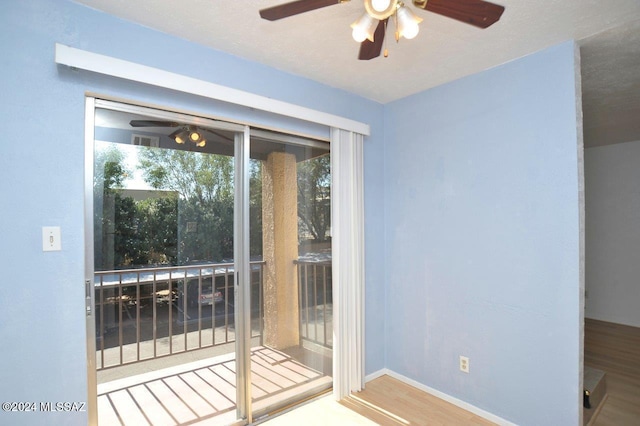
(92, 376)
(241, 233)
(242, 279)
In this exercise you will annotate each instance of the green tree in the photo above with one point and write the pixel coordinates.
(110, 172)
(194, 175)
(255, 208)
(314, 198)
(204, 183)
(115, 221)
(127, 242)
(158, 228)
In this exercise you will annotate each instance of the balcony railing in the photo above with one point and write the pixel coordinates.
(143, 314)
(316, 302)
(153, 312)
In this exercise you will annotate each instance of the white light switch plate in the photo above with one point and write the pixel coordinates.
(51, 238)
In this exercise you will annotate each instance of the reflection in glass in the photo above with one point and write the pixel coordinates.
(165, 293)
(290, 233)
(163, 260)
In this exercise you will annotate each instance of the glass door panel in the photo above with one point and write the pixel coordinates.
(177, 339)
(163, 225)
(290, 249)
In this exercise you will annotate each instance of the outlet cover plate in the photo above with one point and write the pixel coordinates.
(464, 364)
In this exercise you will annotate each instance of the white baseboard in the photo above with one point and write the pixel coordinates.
(448, 398)
(376, 374)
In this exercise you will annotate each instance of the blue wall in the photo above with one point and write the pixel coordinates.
(482, 239)
(42, 322)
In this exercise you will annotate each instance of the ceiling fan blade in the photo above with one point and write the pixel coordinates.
(152, 123)
(372, 49)
(475, 12)
(294, 8)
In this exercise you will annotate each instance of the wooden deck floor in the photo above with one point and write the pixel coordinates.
(204, 390)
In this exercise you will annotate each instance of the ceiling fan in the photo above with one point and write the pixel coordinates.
(183, 133)
(370, 29)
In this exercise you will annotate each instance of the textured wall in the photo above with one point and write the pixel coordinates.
(42, 320)
(280, 250)
(483, 239)
(612, 178)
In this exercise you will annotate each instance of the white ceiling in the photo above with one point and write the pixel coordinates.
(318, 44)
(611, 86)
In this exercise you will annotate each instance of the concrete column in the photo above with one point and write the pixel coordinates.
(280, 249)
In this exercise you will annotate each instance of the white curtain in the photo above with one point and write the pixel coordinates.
(347, 230)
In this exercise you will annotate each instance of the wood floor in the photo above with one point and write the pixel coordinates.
(388, 401)
(612, 348)
(385, 401)
(615, 349)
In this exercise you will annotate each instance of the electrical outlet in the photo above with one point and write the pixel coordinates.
(464, 364)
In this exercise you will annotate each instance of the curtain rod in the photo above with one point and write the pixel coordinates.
(107, 65)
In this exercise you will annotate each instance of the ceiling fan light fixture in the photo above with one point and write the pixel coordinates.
(364, 28)
(479, 13)
(195, 136)
(381, 9)
(407, 23)
(380, 5)
(181, 137)
(202, 143)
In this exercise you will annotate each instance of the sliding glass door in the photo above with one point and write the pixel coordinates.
(163, 275)
(290, 248)
(208, 268)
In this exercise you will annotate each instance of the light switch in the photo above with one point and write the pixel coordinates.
(51, 238)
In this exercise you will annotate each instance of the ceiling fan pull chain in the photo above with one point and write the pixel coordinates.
(386, 51)
(395, 23)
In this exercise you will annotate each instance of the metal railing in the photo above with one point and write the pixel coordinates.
(316, 302)
(148, 313)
